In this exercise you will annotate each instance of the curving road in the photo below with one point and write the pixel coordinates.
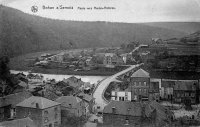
(99, 91)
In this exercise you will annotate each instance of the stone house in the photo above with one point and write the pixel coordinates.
(167, 87)
(139, 85)
(184, 91)
(8, 104)
(44, 112)
(111, 60)
(71, 106)
(89, 102)
(154, 91)
(123, 113)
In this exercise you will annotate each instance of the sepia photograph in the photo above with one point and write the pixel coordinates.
(99, 63)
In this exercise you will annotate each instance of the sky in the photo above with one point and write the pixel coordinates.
(130, 11)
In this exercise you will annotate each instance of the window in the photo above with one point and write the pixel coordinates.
(139, 83)
(192, 94)
(140, 91)
(145, 83)
(145, 91)
(46, 119)
(46, 113)
(50, 125)
(135, 91)
(187, 94)
(178, 95)
(55, 109)
(55, 124)
(56, 115)
(135, 83)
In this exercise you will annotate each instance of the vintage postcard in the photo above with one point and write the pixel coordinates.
(99, 63)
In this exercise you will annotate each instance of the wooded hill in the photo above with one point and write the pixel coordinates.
(22, 33)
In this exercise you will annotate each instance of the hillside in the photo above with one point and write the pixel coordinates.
(22, 33)
(187, 27)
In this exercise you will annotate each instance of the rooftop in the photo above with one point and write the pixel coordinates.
(85, 97)
(140, 73)
(180, 85)
(66, 101)
(14, 99)
(41, 102)
(25, 122)
(124, 108)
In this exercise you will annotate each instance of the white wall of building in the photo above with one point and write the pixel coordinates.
(121, 95)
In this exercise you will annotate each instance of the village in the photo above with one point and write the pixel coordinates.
(139, 91)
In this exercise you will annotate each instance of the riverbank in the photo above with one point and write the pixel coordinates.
(63, 71)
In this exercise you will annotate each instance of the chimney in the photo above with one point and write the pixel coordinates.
(37, 105)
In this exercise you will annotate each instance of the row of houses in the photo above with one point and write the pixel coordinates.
(144, 87)
(127, 113)
(38, 111)
(108, 60)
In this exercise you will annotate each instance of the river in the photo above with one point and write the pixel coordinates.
(57, 77)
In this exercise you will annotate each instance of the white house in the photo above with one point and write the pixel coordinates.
(121, 96)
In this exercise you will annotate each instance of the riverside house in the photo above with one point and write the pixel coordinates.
(139, 85)
(8, 104)
(44, 112)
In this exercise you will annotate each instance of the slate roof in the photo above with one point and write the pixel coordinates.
(67, 100)
(73, 82)
(167, 84)
(162, 112)
(140, 73)
(43, 103)
(25, 122)
(14, 99)
(122, 107)
(180, 85)
(85, 97)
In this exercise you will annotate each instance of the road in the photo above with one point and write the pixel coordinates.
(99, 91)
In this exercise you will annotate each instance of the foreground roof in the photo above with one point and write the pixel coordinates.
(180, 85)
(124, 108)
(14, 99)
(42, 103)
(140, 73)
(85, 97)
(66, 101)
(25, 122)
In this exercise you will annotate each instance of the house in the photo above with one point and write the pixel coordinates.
(71, 106)
(154, 91)
(122, 113)
(42, 111)
(157, 40)
(8, 104)
(185, 91)
(167, 87)
(21, 77)
(139, 85)
(75, 83)
(121, 95)
(159, 114)
(111, 60)
(20, 87)
(127, 58)
(24, 122)
(88, 100)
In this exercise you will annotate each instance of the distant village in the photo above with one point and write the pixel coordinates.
(145, 92)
